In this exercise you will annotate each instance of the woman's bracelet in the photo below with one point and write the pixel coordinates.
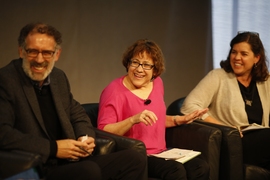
(174, 120)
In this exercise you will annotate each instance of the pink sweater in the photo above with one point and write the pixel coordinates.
(118, 103)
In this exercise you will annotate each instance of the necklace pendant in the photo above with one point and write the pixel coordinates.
(248, 102)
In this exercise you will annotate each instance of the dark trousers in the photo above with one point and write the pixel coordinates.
(121, 165)
(195, 169)
(256, 148)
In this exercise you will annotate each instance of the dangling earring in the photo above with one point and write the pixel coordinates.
(255, 65)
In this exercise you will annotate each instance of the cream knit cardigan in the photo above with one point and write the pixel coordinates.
(219, 91)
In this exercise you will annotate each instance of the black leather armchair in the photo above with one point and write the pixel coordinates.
(14, 162)
(231, 157)
(200, 138)
(231, 165)
(194, 136)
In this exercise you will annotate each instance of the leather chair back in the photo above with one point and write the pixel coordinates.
(92, 112)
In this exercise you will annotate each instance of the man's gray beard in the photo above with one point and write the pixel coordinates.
(36, 77)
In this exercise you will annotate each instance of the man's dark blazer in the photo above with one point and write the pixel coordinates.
(21, 123)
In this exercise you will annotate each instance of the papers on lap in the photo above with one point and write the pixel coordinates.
(251, 127)
(180, 155)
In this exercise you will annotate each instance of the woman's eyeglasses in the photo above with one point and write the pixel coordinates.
(249, 32)
(136, 64)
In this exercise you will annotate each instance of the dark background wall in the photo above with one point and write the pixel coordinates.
(97, 32)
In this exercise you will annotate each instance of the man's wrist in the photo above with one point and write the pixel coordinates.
(53, 148)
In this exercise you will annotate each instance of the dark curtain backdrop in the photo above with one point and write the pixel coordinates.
(97, 32)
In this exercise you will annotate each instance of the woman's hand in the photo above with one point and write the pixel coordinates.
(146, 117)
(239, 130)
(189, 118)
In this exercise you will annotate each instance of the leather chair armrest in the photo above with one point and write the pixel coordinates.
(104, 145)
(255, 172)
(122, 142)
(198, 137)
(231, 154)
(14, 162)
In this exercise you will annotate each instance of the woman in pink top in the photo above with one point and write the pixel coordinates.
(133, 105)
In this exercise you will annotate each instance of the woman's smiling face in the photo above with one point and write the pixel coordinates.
(139, 76)
(242, 59)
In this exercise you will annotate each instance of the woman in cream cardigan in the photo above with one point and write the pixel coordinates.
(238, 95)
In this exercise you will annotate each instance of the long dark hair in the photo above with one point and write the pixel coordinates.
(260, 71)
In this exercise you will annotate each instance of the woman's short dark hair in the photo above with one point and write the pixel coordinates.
(151, 49)
(260, 71)
(41, 28)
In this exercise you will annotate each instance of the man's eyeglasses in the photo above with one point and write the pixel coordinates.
(250, 32)
(145, 66)
(33, 53)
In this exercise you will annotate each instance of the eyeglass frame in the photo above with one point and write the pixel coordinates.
(37, 53)
(251, 32)
(141, 64)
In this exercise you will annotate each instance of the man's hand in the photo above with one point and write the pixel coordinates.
(90, 144)
(72, 149)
